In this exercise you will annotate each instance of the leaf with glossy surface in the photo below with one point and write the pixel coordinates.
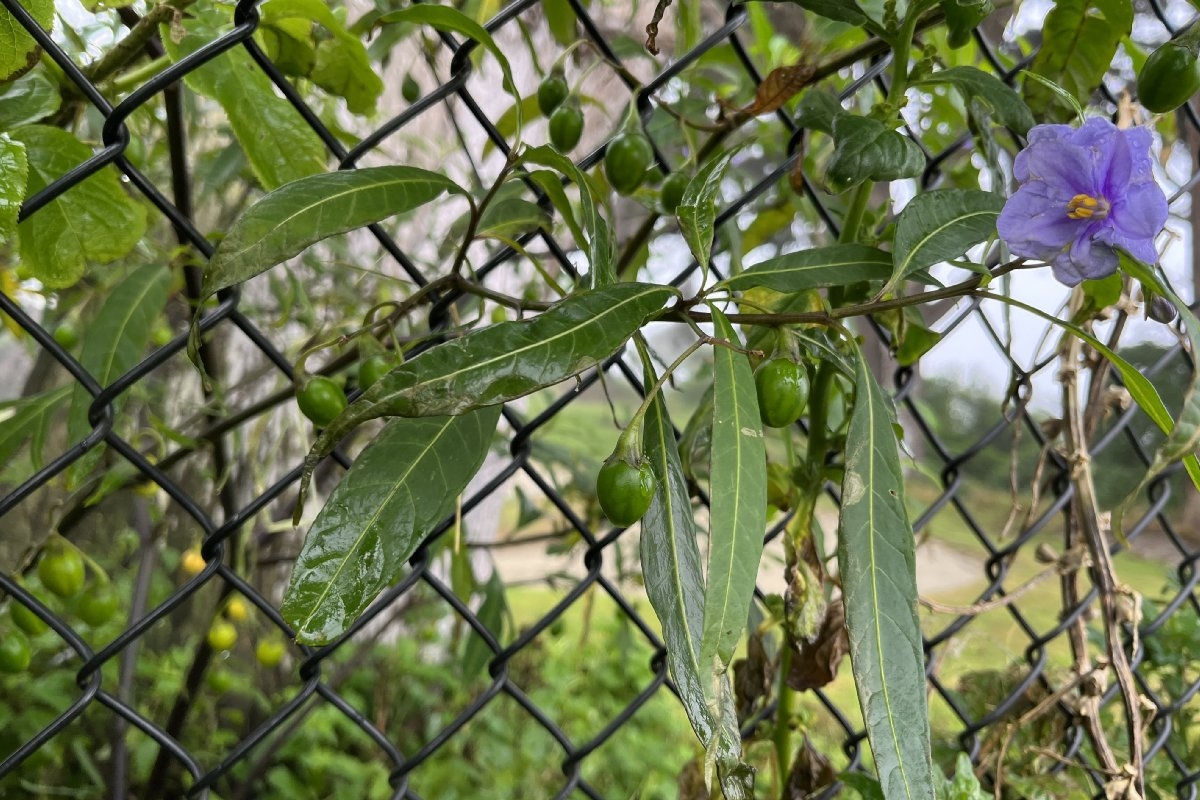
(698, 210)
(18, 50)
(280, 146)
(738, 501)
(502, 362)
(941, 225)
(867, 150)
(286, 221)
(840, 10)
(675, 586)
(400, 487)
(115, 342)
(600, 256)
(92, 221)
(28, 99)
(445, 18)
(14, 175)
(820, 267)
(1006, 104)
(876, 556)
(1079, 40)
(1183, 439)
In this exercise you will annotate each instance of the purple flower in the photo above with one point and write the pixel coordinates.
(1084, 192)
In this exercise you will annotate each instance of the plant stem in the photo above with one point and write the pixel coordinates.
(783, 719)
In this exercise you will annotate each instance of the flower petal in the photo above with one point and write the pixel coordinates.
(1141, 211)
(1066, 166)
(1034, 222)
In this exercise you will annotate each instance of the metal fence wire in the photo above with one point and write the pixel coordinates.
(394, 716)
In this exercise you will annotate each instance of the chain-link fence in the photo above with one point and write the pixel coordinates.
(557, 687)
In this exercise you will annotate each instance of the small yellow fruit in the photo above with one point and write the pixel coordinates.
(236, 610)
(192, 563)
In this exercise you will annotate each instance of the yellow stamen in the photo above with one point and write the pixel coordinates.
(1083, 206)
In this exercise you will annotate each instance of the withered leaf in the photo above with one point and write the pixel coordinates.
(751, 676)
(781, 85)
(811, 771)
(815, 664)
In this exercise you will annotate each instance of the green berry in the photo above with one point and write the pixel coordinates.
(782, 386)
(566, 127)
(626, 160)
(321, 400)
(625, 489)
(551, 93)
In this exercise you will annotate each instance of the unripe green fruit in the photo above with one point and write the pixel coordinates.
(1169, 78)
(66, 335)
(24, 618)
(410, 90)
(15, 651)
(374, 368)
(321, 400)
(61, 569)
(782, 386)
(626, 160)
(625, 490)
(270, 652)
(551, 93)
(672, 190)
(222, 635)
(98, 604)
(566, 127)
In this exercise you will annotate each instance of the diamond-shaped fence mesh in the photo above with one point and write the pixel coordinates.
(557, 686)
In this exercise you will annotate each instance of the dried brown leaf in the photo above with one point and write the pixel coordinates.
(781, 85)
(816, 664)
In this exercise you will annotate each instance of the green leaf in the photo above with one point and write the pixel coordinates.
(600, 256)
(1079, 40)
(1006, 104)
(675, 586)
(961, 18)
(286, 221)
(941, 225)
(445, 18)
(964, 785)
(738, 502)
(867, 150)
(29, 423)
(506, 125)
(502, 362)
(14, 175)
(27, 100)
(817, 110)
(19, 51)
(1184, 437)
(477, 654)
(510, 217)
(698, 209)
(399, 488)
(840, 10)
(560, 18)
(837, 265)
(92, 221)
(341, 65)
(280, 146)
(115, 342)
(549, 183)
(876, 556)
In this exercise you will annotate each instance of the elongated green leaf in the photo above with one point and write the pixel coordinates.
(18, 50)
(1006, 104)
(289, 219)
(841, 10)
(280, 146)
(549, 183)
(1184, 437)
(477, 654)
(560, 18)
(502, 362)
(1079, 40)
(116, 340)
(29, 422)
(961, 18)
(402, 485)
(698, 209)
(512, 216)
(876, 555)
(837, 265)
(14, 175)
(867, 150)
(675, 586)
(600, 257)
(445, 18)
(940, 225)
(92, 221)
(738, 518)
(28, 99)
